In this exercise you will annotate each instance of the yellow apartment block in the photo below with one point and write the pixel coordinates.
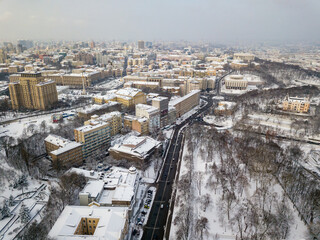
(64, 151)
(296, 104)
(128, 97)
(113, 118)
(33, 92)
(139, 124)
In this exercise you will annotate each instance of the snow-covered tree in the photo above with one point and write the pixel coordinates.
(11, 201)
(5, 211)
(24, 213)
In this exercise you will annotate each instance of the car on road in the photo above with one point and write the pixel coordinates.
(161, 206)
(143, 212)
(134, 232)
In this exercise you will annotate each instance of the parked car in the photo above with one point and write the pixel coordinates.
(143, 212)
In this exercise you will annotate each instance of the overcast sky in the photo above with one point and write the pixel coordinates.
(209, 20)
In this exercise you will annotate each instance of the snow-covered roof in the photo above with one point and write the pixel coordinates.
(181, 99)
(66, 148)
(148, 108)
(136, 146)
(96, 107)
(57, 140)
(87, 128)
(110, 226)
(109, 116)
(130, 92)
(93, 188)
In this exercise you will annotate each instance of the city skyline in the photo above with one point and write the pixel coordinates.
(216, 21)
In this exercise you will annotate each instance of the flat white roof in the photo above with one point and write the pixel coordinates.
(110, 226)
(67, 147)
(57, 140)
(147, 108)
(178, 100)
(131, 92)
(93, 188)
(140, 146)
(87, 128)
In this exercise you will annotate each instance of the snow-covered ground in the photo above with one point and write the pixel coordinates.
(218, 227)
(221, 122)
(109, 84)
(34, 196)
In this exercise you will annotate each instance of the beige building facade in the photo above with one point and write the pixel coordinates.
(33, 92)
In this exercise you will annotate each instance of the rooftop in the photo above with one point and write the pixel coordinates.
(136, 146)
(110, 226)
(87, 128)
(181, 99)
(131, 92)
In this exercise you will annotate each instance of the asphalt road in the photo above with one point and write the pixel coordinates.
(155, 227)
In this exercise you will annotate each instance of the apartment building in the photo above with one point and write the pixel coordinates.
(62, 151)
(33, 92)
(113, 118)
(93, 136)
(151, 113)
(140, 44)
(162, 103)
(139, 124)
(296, 104)
(186, 103)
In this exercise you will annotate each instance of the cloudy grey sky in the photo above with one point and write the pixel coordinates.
(211, 20)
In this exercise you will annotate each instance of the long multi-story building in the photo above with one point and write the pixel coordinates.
(33, 92)
(244, 57)
(75, 79)
(296, 104)
(186, 103)
(93, 136)
(63, 152)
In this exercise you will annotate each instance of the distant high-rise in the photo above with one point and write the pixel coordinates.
(33, 92)
(19, 48)
(149, 44)
(26, 43)
(92, 44)
(141, 44)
